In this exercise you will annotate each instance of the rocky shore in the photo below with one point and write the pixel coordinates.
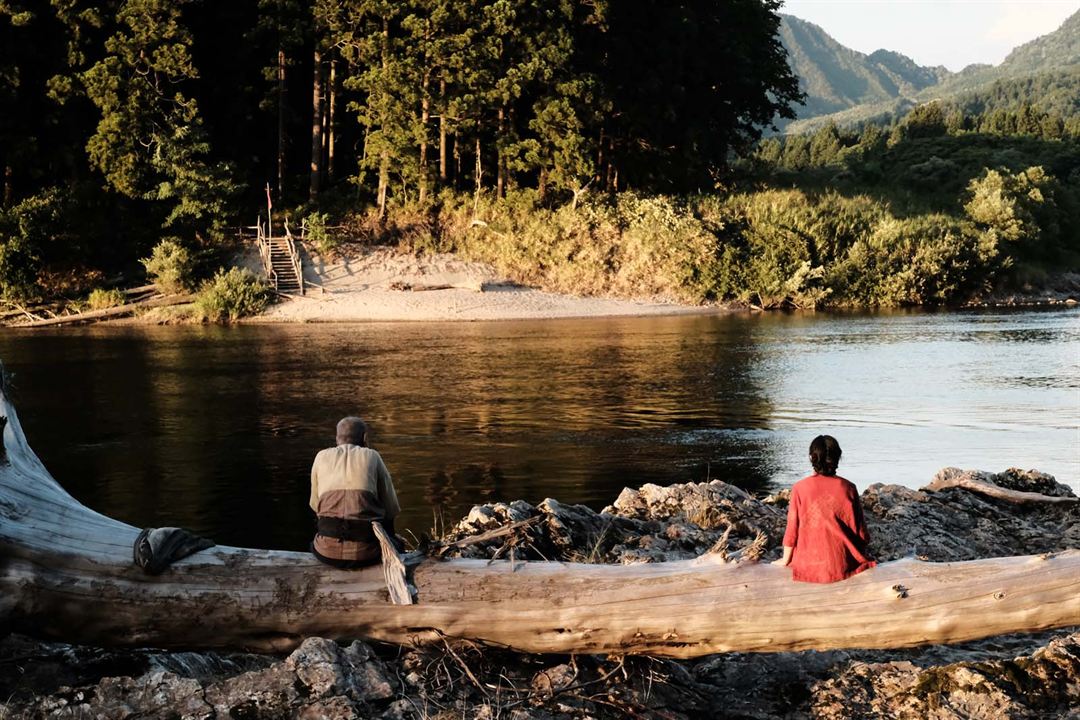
(1021, 676)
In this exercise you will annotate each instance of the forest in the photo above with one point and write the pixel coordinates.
(595, 147)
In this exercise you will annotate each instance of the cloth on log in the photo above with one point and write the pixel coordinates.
(157, 548)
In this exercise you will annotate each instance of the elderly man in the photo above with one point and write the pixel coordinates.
(351, 488)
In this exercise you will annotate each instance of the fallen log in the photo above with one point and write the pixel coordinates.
(953, 478)
(117, 311)
(66, 572)
(476, 286)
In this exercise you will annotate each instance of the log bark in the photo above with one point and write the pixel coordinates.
(66, 572)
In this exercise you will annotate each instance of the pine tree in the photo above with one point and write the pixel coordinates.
(149, 142)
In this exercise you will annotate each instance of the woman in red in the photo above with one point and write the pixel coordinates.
(826, 538)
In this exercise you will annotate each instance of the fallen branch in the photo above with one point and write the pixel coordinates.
(946, 480)
(394, 570)
(486, 536)
(118, 311)
(421, 287)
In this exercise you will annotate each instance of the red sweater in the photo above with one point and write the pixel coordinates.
(825, 525)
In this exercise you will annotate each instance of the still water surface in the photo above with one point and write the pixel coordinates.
(215, 428)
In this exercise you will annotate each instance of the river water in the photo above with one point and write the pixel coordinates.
(215, 428)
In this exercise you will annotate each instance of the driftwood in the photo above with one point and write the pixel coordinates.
(118, 311)
(66, 573)
(422, 287)
(950, 478)
(395, 570)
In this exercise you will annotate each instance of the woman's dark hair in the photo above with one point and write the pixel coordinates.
(825, 454)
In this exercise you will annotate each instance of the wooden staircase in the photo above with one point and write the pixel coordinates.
(285, 277)
(281, 260)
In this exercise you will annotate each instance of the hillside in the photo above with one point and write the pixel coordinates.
(835, 77)
(1041, 62)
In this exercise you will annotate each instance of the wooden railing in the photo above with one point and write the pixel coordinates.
(265, 251)
(266, 241)
(294, 256)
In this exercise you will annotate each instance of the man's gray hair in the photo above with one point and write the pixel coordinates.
(351, 430)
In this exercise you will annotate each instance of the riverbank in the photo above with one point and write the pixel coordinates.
(385, 284)
(374, 283)
(379, 283)
(1009, 676)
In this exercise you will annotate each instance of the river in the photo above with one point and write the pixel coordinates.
(214, 428)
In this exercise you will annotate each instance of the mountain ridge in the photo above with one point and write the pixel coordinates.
(893, 83)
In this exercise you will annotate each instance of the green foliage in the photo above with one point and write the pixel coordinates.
(925, 260)
(100, 298)
(925, 121)
(32, 232)
(170, 266)
(531, 117)
(231, 295)
(18, 270)
(149, 142)
(326, 242)
(772, 248)
(1019, 209)
(629, 244)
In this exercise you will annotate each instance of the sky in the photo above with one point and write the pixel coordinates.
(953, 33)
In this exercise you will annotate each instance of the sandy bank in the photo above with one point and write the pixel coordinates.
(386, 285)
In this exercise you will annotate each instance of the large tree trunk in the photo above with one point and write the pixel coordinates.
(442, 132)
(330, 122)
(384, 159)
(66, 572)
(281, 124)
(500, 162)
(425, 117)
(316, 127)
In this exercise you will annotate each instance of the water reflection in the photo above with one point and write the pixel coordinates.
(215, 428)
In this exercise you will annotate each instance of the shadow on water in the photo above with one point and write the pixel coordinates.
(215, 428)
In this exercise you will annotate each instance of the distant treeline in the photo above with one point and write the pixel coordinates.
(1049, 99)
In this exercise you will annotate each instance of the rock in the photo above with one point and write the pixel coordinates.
(317, 664)
(400, 710)
(335, 708)
(262, 694)
(690, 518)
(957, 524)
(555, 679)
(1043, 684)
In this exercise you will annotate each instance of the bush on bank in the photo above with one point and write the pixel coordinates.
(101, 299)
(770, 248)
(232, 294)
(171, 266)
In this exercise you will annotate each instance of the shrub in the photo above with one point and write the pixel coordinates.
(170, 266)
(18, 270)
(1020, 209)
(315, 230)
(30, 232)
(101, 299)
(231, 295)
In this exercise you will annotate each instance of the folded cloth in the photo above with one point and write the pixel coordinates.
(157, 548)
